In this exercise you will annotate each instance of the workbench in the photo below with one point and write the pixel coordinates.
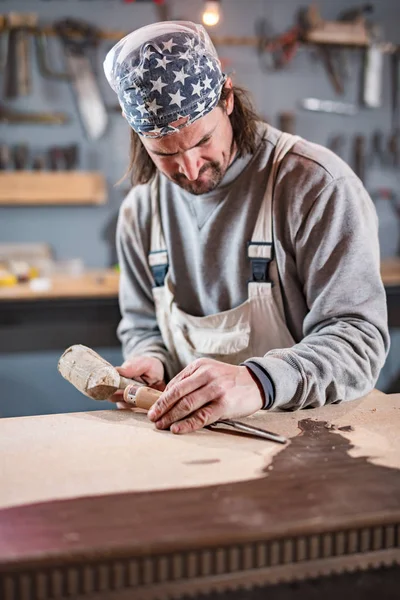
(101, 505)
(85, 309)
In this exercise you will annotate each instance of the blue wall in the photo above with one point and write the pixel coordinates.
(88, 232)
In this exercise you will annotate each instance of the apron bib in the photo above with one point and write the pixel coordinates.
(232, 336)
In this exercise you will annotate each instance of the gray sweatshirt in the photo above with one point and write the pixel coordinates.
(326, 245)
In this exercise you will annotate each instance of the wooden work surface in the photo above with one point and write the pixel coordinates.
(104, 283)
(390, 271)
(102, 502)
(101, 283)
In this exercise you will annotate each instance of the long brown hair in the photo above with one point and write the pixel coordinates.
(243, 119)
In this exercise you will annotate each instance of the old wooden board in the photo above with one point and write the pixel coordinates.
(101, 502)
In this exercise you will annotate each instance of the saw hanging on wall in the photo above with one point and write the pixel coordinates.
(78, 38)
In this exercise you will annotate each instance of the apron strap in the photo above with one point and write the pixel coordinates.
(158, 255)
(260, 249)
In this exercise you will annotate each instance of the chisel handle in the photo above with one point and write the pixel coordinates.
(144, 397)
(141, 397)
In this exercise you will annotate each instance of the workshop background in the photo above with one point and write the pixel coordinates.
(79, 231)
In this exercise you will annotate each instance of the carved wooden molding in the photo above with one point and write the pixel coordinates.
(213, 569)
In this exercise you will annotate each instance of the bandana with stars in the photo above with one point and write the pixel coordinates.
(166, 75)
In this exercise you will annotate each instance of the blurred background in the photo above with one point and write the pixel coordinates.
(327, 71)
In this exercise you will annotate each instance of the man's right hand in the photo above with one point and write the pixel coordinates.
(146, 369)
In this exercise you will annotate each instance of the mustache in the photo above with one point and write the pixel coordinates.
(213, 165)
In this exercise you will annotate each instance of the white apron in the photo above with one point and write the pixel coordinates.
(232, 336)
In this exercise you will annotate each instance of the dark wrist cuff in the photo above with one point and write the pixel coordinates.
(264, 380)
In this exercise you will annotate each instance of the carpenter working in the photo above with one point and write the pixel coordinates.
(249, 257)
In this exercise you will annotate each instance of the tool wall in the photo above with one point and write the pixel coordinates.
(288, 80)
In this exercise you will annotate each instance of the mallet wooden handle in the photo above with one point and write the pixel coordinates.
(141, 397)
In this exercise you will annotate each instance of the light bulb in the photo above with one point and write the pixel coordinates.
(211, 14)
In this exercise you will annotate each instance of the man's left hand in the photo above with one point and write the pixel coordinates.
(204, 392)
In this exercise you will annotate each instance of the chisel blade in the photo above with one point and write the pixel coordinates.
(256, 431)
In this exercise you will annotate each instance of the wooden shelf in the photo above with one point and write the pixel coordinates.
(102, 283)
(49, 188)
(390, 271)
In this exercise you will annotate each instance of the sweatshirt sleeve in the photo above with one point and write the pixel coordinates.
(138, 330)
(345, 333)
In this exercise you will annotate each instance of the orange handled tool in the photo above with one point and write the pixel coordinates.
(141, 396)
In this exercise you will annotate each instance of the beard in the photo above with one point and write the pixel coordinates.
(215, 174)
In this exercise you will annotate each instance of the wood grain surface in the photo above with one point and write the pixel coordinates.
(319, 501)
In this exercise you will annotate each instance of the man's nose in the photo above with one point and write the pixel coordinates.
(190, 164)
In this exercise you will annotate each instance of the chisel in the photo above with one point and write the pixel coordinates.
(17, 75)
(98, 379)
(143, 397)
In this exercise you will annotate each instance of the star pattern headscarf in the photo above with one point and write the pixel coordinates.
(162, 73)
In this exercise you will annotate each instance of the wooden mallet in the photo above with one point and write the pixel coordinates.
(98, 379)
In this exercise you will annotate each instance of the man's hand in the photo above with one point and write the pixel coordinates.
(204, 392)
(146, 369)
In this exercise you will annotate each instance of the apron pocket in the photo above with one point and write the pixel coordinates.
(211, 342)
(222, 334)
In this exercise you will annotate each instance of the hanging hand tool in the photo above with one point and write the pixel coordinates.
(333, 61)
(394, 148)
(20, 156)
(71, 157)
(287, 122)
(42, 54)
(17, 76)
(3, 43)
(395, 77)
(356, 13)
(276, 52)
(372, 77)
(372, 68)
(336, 144)
(393, 143)
(359, 156)
(56, 158)
(77, 38)
(377, 151)
(98, 379)
(4, 157)
(13, 117)
(63, 158)
(39, 163)
(393, 197)
(328, 106)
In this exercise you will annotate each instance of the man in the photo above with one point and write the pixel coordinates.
(249, 258)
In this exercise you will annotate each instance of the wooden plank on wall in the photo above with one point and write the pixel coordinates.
(71, 187)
